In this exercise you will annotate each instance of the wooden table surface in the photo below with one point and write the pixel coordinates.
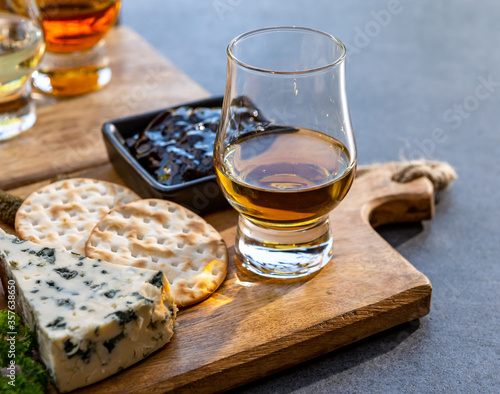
(67, 134)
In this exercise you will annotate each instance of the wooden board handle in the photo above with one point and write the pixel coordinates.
(380, 200)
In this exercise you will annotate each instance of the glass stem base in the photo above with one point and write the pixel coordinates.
(73, 74)
(17, 115)
(279, 253)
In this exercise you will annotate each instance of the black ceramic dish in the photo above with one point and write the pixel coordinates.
(200, 195)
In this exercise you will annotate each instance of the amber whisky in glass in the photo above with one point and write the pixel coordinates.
(289, 166)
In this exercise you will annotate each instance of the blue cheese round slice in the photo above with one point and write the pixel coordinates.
(91, 318)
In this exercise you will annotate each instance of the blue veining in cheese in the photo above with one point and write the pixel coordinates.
(91, 318)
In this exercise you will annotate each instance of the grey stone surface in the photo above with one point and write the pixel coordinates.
(418, 70)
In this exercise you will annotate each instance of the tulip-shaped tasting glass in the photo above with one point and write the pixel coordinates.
(285, 154)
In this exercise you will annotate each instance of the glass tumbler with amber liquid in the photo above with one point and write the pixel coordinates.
(75, 62)
(285, 154)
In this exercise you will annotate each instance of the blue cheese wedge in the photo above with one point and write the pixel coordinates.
(91, 318)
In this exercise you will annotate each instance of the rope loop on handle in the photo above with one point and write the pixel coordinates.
(441, 174)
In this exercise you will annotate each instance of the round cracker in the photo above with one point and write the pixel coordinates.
(63, 214)
(161, 235)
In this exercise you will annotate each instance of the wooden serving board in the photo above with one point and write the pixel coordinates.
(252, 327)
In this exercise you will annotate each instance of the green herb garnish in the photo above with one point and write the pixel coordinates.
(17, 348)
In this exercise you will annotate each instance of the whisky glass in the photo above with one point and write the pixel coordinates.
(76, 62)
(21, 48)
(285, 154)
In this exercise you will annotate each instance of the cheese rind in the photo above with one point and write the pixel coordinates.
(91, 318)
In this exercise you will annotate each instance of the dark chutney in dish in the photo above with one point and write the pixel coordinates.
(177, 146)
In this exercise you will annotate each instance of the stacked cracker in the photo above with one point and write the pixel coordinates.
(110, 222)
(63, 214)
